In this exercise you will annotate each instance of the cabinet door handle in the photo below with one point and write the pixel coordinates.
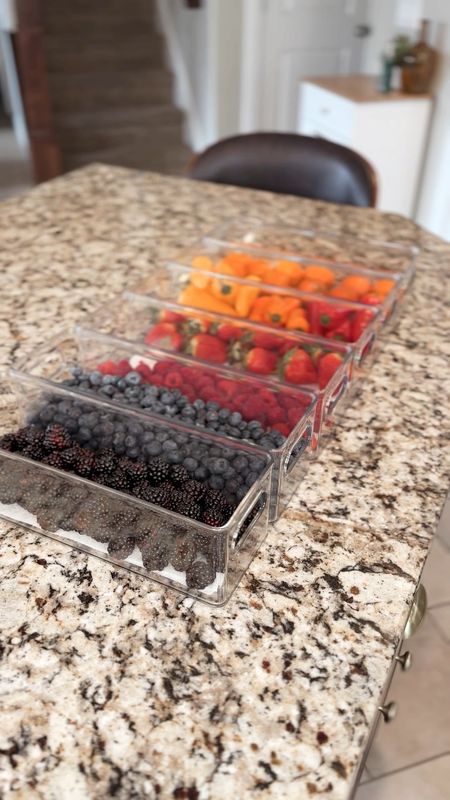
(388, 711)
(405, 661)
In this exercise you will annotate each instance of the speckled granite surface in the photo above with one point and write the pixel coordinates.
(113, 687)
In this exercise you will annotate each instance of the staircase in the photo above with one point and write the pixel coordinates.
(109, 88)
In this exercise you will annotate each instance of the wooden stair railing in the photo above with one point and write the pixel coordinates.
(28, 43)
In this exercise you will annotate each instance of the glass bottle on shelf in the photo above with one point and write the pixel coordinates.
(418, 64)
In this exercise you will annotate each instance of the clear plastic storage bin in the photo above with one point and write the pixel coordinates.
(176, 328)
(279, 420)
(277, 273)
(47, 472)
(318, 246)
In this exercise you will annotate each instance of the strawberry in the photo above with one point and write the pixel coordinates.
(227, 333)
(108, 368)
(164, 335)
(343, 332)
(171, 316)
(370, 299)
(328, 365)
(208, 348)
(267, 340)
(261, 361)
(331, 316)
(297, 367)
(360, 321)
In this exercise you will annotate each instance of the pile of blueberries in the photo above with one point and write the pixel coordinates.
(172, 404)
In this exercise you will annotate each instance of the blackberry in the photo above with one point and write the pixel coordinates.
(56, 437)
(183, 553)
(193, 490)
(123, 520)
(213, 517)
(136, 471)
(118, 480)
(179, 475)
(215, 500)
(53, 460)
(121, 547)
(160, 495)
(70, 455)
(155, 552)
(50, 518)
(143, 490)
(83, 462)
(189, 508)
(105, 464)
(199, 575)
(157, 471)
(8, 442)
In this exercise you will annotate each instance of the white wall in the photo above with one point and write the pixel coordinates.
(434, 204)
(205, 56)
(380, 18)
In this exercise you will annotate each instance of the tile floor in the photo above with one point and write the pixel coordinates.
(410, 758)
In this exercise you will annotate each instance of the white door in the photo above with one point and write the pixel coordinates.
(295, 38)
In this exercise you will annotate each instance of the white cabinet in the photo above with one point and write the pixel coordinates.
(390, 130)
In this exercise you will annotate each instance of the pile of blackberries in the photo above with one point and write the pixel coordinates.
(161, 465)
(173, 404)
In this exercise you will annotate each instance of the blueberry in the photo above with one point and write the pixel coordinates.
(212, 406)
(254, 423)
(266, 442)
(201, 473)
(190, 463)
(241, 492)
(234, 432)
(70, 382)
(171, 411)
(109, 380)
(173, 457)
(235, 418)
(188, 412)
(85, 385)
(95, 378)
(147, 401)
(122, 384)
(148, 437)
(232, 486)
(199, 404)
(216, 482)
(153, 448)
(215, 451)
(71, 425)
(218, 465)
(169, 444)
(76, 371)
(84, 434)
(161, 436)
(132, 392)
(135, 428)
(181, 438)
(240, 463)
(251, 478)
(118, 438)
(224, 414)
(75, 412)
(133, 452)
(182, 401)
(212, 416)
(132, 378)
(108, 390)
(107, 428)
(256, 434)
(158, 407)
(130, 441)
(167, 398)
(47, 414)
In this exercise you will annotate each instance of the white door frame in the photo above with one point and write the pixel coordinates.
(250, 113)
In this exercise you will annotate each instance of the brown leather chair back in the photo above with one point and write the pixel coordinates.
(288, 163)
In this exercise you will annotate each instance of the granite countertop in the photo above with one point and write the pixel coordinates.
(114, 687)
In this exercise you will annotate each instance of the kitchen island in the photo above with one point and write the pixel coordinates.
(115, 687)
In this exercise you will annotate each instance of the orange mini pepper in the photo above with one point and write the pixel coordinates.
(191, 296)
